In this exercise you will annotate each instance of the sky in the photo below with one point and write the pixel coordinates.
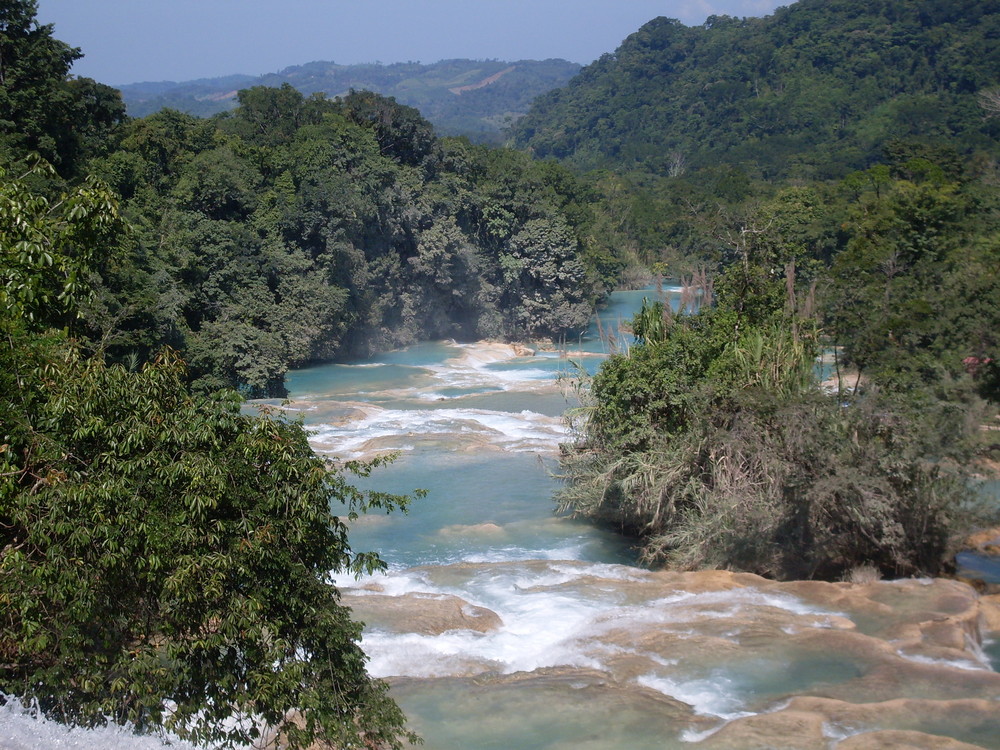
(128, 41)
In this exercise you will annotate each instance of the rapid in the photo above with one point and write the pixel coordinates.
(501, 624)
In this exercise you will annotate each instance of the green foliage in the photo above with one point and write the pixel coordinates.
(41, 110)
(165, 562)
(650, 391)
(711, 441)
(401, 132)
(914, 291)
(789, 487)
(164, 556)
(297, 229)
(813, 91)
(44, 244)
(651, 324)
(709, 438)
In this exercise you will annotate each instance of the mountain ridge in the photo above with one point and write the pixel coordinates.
(475, 98)
(814, 91)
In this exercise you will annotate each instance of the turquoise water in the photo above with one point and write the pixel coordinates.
(476, 426)
(478, 508)
(501, 624)
(975, 565)
(604, 334)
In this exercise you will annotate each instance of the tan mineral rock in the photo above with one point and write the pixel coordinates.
(902, 740)
(426, 614)
(990, 612)
(985, 541)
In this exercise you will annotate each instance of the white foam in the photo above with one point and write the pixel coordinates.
(909, 581)
(838, 732)
(538, 631)
(693, 735)
(524, 431)
(473, 368)
(542, 626)
(713, 696)
(392, 583)
(517, 554)
(547, 620)
(964, 664)
(21, 728)
(438, 396)
(482, 377)
(609, 571)
(683, 606)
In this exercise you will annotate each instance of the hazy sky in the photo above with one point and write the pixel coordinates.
(126, 41)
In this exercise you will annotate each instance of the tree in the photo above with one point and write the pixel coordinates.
(269, 116)
(44, 246)
(164, 557)
(989, 100)
(401, 131)
(905, 290)
(40, 110)
(711, 440)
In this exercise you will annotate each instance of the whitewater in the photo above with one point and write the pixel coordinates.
(501, 624)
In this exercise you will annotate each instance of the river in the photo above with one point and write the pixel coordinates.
(503, 625)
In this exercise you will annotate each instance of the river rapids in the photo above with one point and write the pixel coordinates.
(503, 625)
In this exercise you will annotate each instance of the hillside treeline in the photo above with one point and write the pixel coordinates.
(815, 90)
(448, 93)
(684, 127)
(829, 177)
(301, 229)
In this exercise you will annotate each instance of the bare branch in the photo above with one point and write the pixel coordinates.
(989, 100)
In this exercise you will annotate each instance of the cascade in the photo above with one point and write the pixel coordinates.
(500, 624)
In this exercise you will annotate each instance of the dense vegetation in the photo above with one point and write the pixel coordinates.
(713, 441)
(164, 556)
(814, 91)
(41, 110)
(833, 168)
(159, 546)
(297, 229)
(474, 98)
(690, 129)
(711, 437)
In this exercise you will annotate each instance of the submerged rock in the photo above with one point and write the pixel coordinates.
(552, 708)
(709, 659)
(901, 740)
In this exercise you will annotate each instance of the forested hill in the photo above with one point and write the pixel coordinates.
(299, 229)
(815, 90)
(475, 98)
